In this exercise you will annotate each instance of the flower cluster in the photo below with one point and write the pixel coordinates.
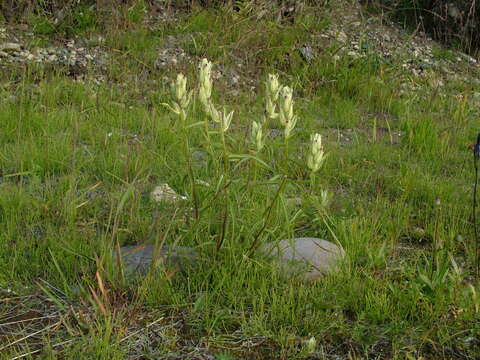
(317, 156)
(286, 115)
(281, 97)
(205, 93)
(205, 81)
(221, 117)
(182, 97)
(257, 135)
(272, 90)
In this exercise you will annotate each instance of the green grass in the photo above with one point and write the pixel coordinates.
(78, 160)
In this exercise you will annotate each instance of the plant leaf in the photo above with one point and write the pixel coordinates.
(249, 157)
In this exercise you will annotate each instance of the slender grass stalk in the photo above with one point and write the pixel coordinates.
(312, 182)
(225, 152)
(159, 242)
(207, 133)
(476, 157)
(223, 128)
(436, 240)
(474, 216)
(286, 150)
(221, 238)
(191, 174)
(215, 197)
(116, 224)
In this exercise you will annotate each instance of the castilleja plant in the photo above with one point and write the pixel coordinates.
(272, 91)
(181, 96)
(205, 93)
(205, 83)
(257, 136)
(281, 97)
(179, 106)
(221, 117)
(224, 119)
(287, 118)
(315, 160)
(258, 142)
(316, 157)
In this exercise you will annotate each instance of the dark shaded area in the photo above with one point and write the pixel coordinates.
(455, 23)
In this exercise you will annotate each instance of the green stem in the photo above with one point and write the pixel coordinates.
(225, 154)
(474, 213)
(207, 133)
(191, 175)
(221, 239)
(286, 149)
(312, 182)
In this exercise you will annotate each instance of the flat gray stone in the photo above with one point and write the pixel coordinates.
(308, 258)
(9, 47)
(200, 158)
(307, 53)
(164, 193)
(137, 260)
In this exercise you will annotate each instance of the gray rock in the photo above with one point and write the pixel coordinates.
(294, 201)
(10, 47)
(307, 258)
(307, 53)
(274, 133)
(454, 12)
(164, 193)
(170, 56)
(137, 260)
(200, 158)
